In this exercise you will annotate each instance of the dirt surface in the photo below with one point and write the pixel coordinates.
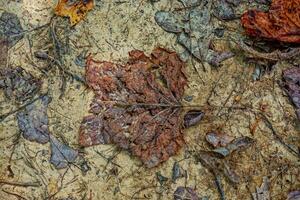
(233, 103)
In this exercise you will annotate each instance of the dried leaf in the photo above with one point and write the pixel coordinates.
(193, 117)
(33, 121)
(262, 192)
(223, 10)
(137, 105)
(18, 85)
(291, 78)
(10, 28)
(161, 179)
(214, 162)
(281, 22)
(217, 139)
(76, 10)
(184, 193)
(61, 154)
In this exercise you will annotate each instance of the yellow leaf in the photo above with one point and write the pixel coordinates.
(75, 10)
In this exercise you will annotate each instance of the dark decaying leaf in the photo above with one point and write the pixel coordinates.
(61, 154)
(192, 118)
(217, 139)
(10, 28)
(176, 171)
(291, 78)
(168, 22)
(137, 105)
(281, 22)
(237, 144)
(33, 121)
(294, 195)
(196, 22)
(184, 193)
(18, 85)
(217, 165)
(223, 10)
(262, 192)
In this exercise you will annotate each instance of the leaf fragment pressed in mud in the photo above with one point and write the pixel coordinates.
(33, 121)
(237, 144)
(184, 193)
(76, 10)
(3, 52)
(18, 85)
(137, 105)
(281, 22)
(291, 78)
(192, 117)
(61, 154)
(262, 192)
(10, 28)
(217, 139)
(196, 22)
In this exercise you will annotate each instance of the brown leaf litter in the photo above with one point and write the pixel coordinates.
(281, 22)
(137, 105)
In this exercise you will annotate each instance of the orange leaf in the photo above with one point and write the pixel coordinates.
(76, 11)
(281, 22)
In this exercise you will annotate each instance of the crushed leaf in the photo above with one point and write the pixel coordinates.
(192, 117)
(217, 139)
(18, 85)
(10, 28)
(183, 193)
(33, 121)
(281, 22)
(75, 10)
(61, 154)
(137, 105)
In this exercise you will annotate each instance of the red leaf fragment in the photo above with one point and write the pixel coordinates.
(137, 105)
(281, 22)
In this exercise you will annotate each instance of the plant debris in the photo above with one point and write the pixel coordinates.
(10, 28)
(18, 85)
(262, 192)
(33, 121)
(183, 193)
(281, 22)
(192, 117)
(237, 144)
(137, 105)
(217, 139)
(291, 78)
(61, 154)
(197, 22)
(76, 10)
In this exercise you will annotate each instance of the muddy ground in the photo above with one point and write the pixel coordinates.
(108, 32)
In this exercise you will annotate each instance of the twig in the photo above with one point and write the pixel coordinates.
(277, 137)
(28, 184)
(14, 194)
(274, 56)
(220, 187)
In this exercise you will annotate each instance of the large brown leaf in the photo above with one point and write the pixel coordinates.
(281, 23)
(137, 105)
